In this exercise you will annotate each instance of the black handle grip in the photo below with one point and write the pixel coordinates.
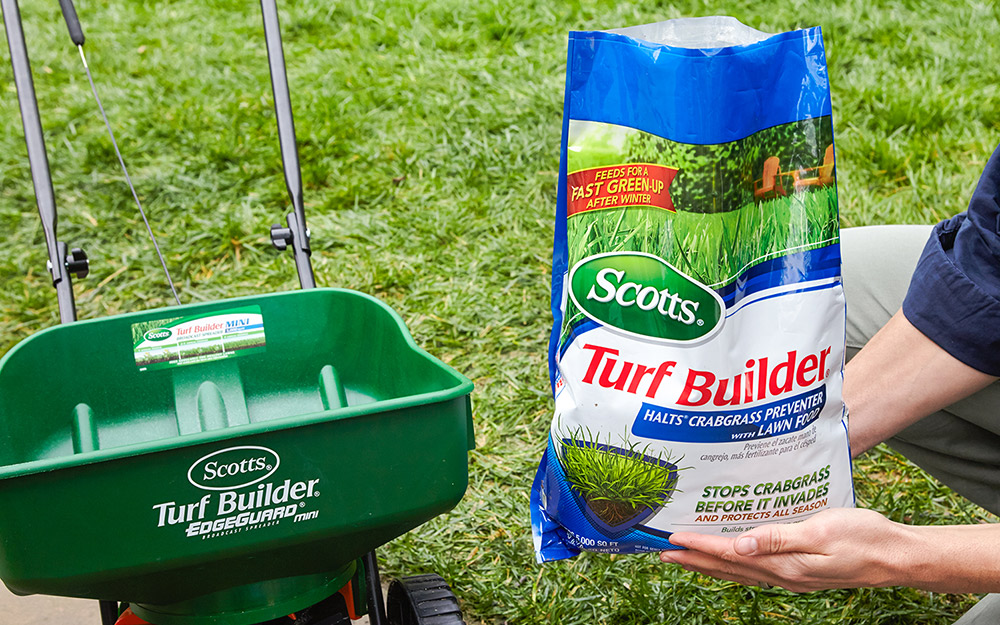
(72, 21)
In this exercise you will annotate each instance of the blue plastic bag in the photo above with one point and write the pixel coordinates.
(697, 353)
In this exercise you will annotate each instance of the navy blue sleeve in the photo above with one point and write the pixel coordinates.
(954, 295)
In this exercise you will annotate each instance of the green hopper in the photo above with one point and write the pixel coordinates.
(224, 463)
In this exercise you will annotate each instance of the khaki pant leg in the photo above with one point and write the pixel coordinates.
(986, 612)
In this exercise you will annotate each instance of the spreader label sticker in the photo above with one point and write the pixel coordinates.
(188, 340)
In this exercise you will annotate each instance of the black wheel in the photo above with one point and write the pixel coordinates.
(422, 600)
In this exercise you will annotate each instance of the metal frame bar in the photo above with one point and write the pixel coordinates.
(38, 159)
(289, 148)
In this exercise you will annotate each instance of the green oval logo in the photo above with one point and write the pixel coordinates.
(158, 334)
(644, 295)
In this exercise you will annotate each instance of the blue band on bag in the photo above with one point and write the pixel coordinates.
(787, 415)
(713, 95)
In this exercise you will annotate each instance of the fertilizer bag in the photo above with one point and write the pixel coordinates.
(697, 354)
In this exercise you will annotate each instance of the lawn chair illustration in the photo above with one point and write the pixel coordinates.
(769, 184)
(824, 173)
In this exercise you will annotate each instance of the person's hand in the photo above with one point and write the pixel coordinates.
(839, 548)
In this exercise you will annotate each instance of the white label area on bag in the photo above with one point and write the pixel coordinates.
(755, 427)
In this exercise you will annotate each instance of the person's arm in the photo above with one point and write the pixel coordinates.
(849, 548)
(945, 342)
(900, 377)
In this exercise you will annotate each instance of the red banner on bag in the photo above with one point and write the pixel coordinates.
(639, 184)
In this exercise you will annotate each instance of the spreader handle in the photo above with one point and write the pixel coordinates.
(289, 149)
(72, 22)
(41, 178)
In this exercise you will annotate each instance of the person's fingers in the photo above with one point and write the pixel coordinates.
(715, 567)
(768, 539)
(696, 560)
(778, 538)
(747, 545)
(701, 542)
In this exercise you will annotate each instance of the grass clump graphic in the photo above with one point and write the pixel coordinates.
(617, 483)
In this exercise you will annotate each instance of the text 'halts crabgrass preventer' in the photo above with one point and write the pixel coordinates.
(697, 354)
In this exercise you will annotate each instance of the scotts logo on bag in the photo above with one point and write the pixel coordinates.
(234, 467)
(158, 334)
(644, 295)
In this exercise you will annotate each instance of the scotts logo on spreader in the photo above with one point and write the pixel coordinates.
(158, 334)
(644, 295)
(234, 467)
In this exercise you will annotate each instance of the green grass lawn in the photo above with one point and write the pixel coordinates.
(429, 140)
